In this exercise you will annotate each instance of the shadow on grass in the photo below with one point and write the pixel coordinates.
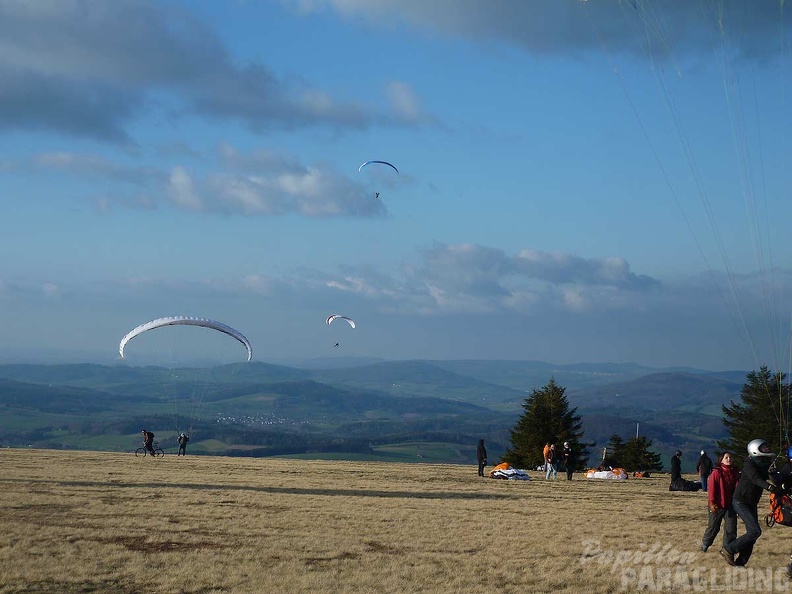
(280, 490)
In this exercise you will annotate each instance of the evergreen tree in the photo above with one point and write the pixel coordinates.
(762, 413)
(636, 455)
(614, 452)
(547, 417)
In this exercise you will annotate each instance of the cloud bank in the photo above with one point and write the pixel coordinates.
(86, 69)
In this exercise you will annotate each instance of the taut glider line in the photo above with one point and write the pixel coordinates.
(380, 162)
(186, 321)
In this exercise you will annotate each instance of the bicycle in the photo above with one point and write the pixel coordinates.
(143, 452)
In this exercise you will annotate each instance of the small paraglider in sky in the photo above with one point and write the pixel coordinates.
(331, 318)
(334, 317)
(386, 163)
(380, 162)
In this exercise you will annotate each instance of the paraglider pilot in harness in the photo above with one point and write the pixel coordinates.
(183, 439)
(753, 480)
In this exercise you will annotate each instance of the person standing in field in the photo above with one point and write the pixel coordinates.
(568, 456)
(183, 439)
(704, 467)
(753, 480)
(676, 466)
(545, 452)
(481, 456)
(722, 482)
(551, 463)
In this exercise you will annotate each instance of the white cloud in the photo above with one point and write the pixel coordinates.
(418, 313)
(181, 191)
(260, 183)
(405, 103)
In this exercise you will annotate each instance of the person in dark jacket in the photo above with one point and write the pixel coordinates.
(481, 456)
(568, 456)
(677, 482)
(676, 466)
(183, 439)
(148, 441)
(747, 494)
(704, 467)
(722, 482)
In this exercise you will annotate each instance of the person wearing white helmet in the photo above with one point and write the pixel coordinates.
(704, 467)
(568, 456)
(753, 480)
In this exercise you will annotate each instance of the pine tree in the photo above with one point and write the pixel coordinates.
(636, 455)
(547, 417)
(614, 452)
(762, 413)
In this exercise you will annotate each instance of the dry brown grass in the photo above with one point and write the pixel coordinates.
(102, 522)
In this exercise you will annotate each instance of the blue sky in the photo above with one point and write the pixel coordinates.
(579, 181)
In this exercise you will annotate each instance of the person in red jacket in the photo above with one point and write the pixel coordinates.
(720, 489)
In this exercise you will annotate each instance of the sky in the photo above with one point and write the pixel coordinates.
(578, 181)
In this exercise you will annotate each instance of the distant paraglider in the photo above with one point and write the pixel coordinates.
(386, 163)
(331, 318)
(186, 321)
(380, 162)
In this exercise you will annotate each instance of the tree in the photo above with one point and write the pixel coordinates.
(636, 455)
(762, 413)
(631, 455)
(547, 417)
(614, 452)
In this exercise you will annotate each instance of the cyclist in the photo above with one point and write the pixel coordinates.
(148, 441)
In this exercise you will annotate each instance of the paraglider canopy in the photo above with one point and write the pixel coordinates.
(380, 162)
(333, 317)
(186, 321)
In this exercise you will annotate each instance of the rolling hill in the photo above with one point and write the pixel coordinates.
(373, 404)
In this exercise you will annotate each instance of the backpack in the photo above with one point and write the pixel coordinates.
(706, 465)
(780, 510)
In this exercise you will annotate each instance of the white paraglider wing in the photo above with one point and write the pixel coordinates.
(186, 321)
(333, 317)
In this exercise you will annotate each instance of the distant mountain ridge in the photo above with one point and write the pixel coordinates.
(407, 401)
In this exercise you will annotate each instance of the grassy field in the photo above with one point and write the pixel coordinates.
(107, 522)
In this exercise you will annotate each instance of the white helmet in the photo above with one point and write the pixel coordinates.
(759, 448)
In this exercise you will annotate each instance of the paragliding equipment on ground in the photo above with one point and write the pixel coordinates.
(780, 510)
(611, 474)
(333, 317)
(189, 357)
